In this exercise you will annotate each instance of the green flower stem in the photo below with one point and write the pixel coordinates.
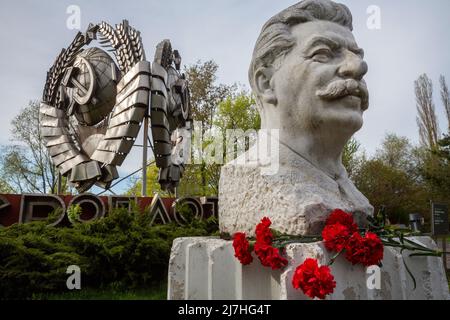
(335, 257)
(298, 238)
(423, 250)
(284, 243)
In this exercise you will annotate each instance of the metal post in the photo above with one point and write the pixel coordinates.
(444, 249)
(144, 158)
(59, 185)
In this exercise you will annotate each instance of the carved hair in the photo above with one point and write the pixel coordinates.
(276, 40)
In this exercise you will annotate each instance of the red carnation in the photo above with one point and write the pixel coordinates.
(335, 236)
(270, 256)
(242, 248)
(344, 218)
(263, 233)
(314, 281)
(376, 249)
(368, 250)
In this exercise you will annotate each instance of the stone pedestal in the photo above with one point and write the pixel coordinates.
(205, 268)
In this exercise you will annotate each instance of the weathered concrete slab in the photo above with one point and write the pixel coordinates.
(205, 268)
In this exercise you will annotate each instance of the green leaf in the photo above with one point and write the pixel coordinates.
(418, 245)
(425, 254)
(409, 271)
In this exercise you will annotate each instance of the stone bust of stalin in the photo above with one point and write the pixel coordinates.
(307, 76)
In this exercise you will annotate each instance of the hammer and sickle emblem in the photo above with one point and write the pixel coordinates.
(81, 95)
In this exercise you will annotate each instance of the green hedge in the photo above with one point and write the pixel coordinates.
(118, 251)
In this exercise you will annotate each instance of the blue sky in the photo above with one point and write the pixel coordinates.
(413, 39)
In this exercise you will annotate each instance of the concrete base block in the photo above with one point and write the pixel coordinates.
(205, 268)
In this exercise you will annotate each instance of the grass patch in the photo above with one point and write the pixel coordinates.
(156, 293)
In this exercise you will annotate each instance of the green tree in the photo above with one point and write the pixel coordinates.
(392, 188)
(350, 157)
(26, 165)
(391, 178)
(4, 187)
(436, 170)
(434, 156)
(152, 183)
(397, 152)
(206, 95)
(237, 111)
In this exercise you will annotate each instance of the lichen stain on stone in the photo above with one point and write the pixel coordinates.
(178, 291)
(426, 284)
(386, 286)
(349, 294)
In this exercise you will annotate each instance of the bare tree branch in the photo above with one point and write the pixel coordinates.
(445, 96)
(426, 119)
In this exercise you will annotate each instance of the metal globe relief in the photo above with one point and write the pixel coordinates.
(95, 102)
(91, 86)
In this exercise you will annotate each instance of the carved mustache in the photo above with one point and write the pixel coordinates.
(342, 88)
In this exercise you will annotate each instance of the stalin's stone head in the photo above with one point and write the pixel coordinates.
(307, 75)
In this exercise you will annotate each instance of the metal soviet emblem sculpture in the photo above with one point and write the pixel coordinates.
(93, 107)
